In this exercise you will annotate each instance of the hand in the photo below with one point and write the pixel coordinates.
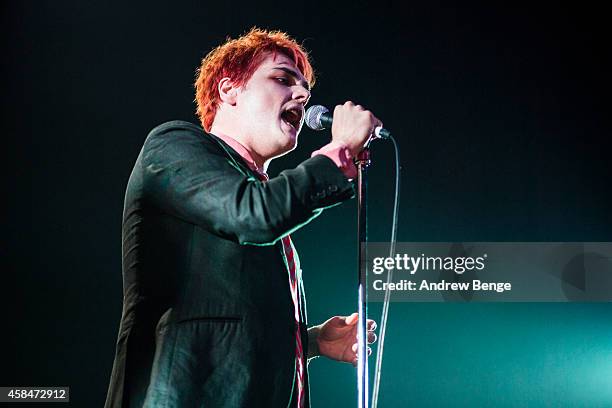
(353, 126)
(337, 338)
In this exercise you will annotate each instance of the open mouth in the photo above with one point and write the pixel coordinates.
(292, 116)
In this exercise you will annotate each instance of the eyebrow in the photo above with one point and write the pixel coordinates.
(294, 75)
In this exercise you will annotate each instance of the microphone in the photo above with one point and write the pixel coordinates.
(319, 118)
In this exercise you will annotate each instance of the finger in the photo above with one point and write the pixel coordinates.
(371, 325)
(357, 354)
(355, 347)
(371, 337)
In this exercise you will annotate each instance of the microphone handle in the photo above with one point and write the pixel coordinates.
(326, 122)
(382, 132)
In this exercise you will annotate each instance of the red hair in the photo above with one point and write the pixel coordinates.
(238, 59)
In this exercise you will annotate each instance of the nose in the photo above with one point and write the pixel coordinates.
(301, 94)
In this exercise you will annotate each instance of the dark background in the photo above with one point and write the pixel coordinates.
(499, 111)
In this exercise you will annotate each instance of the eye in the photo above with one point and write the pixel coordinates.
(282, 80)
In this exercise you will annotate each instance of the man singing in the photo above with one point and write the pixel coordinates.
(214, 313)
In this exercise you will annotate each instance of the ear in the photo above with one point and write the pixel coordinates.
(227, 91)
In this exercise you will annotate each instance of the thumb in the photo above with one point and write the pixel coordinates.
(352, 319)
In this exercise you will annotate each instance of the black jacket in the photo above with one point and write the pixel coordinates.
(207, 315)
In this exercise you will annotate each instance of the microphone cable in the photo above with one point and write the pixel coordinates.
(317, 117)
(385, 309)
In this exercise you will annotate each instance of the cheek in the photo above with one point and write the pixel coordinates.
(258, 115)
(260, 109)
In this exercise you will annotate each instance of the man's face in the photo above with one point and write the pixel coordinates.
(271, 105)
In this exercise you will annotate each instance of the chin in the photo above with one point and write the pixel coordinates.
(290, 140)
(292, 143)
(289, 145)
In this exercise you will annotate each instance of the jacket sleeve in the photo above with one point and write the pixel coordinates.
(187, 175)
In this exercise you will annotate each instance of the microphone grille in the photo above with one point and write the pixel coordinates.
(313, 117)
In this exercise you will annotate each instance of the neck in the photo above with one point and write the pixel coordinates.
(260, 161)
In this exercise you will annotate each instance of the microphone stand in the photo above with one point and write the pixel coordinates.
(362, 162)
